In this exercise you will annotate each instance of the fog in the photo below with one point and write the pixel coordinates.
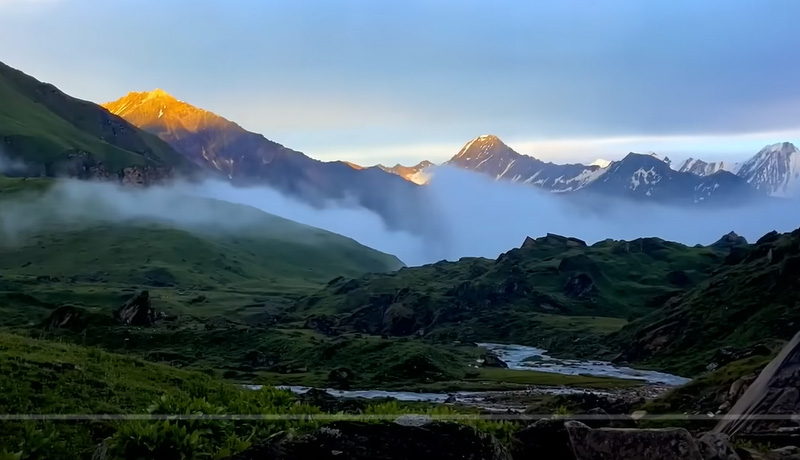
(478, 216)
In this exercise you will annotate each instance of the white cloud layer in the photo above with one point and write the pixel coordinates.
(478, 217)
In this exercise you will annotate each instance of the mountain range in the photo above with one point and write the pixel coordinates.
(773, 171)
(146, 137)
(246, 158)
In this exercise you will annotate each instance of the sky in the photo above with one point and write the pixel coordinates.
(386, 82)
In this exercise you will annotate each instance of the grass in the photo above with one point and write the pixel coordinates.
(42, 126)
(55, 229)
(751, 299)
(44, 377)
(526, 296)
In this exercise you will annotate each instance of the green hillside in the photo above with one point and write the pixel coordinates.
(754, 298)
(53, 133)
(551, 289)
(95, 256)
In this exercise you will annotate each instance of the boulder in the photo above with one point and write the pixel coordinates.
(631, 444)
(341, 378)
(579, 286)
(67, 316)
(716, 446)
(491, 360)
(382, 441)
(136, 311)
(775, 392)
(547, 438)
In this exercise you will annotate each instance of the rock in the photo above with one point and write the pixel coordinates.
(774, 392)
(66, 316)
(729, 240)
(579, 286)
(382, 441)
(413, 420)
(545, 438)
(784, 453)
(323, 324)
(341, 378)
(725, 355)
(716, 446)
(491, 360)
(678, 278)
(631, 444)
(137, 311)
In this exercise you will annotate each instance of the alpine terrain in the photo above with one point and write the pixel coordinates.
(248, 158)
(636, 176)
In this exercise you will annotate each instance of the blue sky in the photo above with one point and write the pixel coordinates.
(373, 81)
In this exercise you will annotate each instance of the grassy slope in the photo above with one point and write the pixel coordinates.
(754, 298)
(264, 252)
(41, 125)
(521, 297)
(41, 377)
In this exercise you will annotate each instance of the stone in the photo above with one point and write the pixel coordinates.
(631, 444)
(491, 360)
(137, 311)
(774, 392)
(382, 441)
(545, 438)
(716, 446)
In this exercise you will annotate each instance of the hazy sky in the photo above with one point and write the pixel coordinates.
(378, 81)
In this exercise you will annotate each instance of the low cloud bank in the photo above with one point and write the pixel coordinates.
(478, 216)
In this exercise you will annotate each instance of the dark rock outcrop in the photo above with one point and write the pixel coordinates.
(631, 444)
(491, 360)
(544, 438)
(341, 378)
(580, 286)
(729, 240)
(382, 441)
(716, 446)
(66, 316)
(775, 392)
(137, 311)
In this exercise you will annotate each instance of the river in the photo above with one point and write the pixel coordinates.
(518, 357)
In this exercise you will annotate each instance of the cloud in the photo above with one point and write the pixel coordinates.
(476, 216)
(10, 165)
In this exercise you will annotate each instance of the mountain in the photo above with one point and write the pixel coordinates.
(488, 155)
(701, 168)
(600, 162)
(638, 176)
(752, 297)
(248, 158)
(549, 290)
(259, 249)
(414, 173)
(44, 132)
(641, 176)
(775, 170)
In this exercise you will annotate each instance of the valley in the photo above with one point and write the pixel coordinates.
(141, 317)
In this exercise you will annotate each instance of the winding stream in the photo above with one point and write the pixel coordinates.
(525, 358)
(517, 357)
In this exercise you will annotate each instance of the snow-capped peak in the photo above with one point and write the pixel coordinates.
(600, 162)
(702, 168)
(775, 169)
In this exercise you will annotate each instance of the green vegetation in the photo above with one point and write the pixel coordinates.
(553, 291)
(44, 377)
(751, 300)
(47, 131)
